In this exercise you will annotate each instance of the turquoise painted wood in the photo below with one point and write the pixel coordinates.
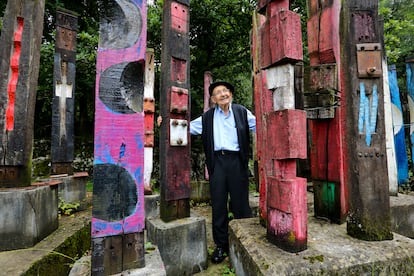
(410, 88)
(398, 126)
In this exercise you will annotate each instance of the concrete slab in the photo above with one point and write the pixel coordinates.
(41, 257)
(402, 214)
(153, 266)
(330, 252)
(27, 215)
(73, 188)
(182, 244)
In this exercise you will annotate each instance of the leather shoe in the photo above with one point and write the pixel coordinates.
(219, 255)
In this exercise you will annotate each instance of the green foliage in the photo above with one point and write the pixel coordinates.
(229, 271)
(398, 29)
(67, 209)
(220, 43)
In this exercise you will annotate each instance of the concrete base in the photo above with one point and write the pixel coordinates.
(153, 266)
(27, 215)
(73, 188)
(330, 252)
(402, 214)
(182, 244)
(152, 206)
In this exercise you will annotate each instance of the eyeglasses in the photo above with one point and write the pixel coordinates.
(219, 92)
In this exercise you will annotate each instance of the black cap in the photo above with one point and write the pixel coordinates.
(217, 83)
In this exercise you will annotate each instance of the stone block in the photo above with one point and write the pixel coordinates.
(182, 244)
(27, 215)
(331, 251)
(402, 214)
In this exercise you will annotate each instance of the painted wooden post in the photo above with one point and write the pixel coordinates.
(284, 139)
(323, 105)
(263, 105)
(208, 79)
(398, 125)
(362, 98)
(389, 134)
(118, 214)
(20, 42)
(175, 106)
(409, 69)
(62, 142)
(149, 110)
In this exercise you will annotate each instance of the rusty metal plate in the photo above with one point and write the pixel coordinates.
(323, 77)
(322, 97)
(9, 173)
(179, 17)
(65, 39)
(178, 132)
(178, 70)
(369, 60)
(66, 20)
(363, 24)
(179, 100)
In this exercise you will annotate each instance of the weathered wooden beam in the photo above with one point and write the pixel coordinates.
(281, 129)
(398, 127)
(149, 110)
(20, 42)
(409, 69)
(262, 104)
(175, 106)
(118, 214)
(323, 104)
(365, 150)
(63, 108)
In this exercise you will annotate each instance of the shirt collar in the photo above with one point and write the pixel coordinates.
(218, 108)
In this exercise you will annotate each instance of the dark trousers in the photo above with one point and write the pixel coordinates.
(230, 178)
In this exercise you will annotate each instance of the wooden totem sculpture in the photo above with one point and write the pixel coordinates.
(62, 142)
(118, 215)
(325, 111)
(175, 111)
(281, 128)
(363, 99)
(20, 42)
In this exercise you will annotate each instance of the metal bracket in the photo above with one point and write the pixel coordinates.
(369, 60)
(178, 132)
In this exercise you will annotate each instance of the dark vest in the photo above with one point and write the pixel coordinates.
(243, 135)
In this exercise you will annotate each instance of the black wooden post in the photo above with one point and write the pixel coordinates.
(63, 108)
(363, 97)
(20, 42)
(175, 110)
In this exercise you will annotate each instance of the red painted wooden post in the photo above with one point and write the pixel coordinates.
(262, 104)
(20, 42)
(208, 79)
(118, 214)
(62, 142)
(363, 99)
(175, 107)
(281, 129)
(326, 119)
(149, 110)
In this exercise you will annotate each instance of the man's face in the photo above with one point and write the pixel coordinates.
(221, 95)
